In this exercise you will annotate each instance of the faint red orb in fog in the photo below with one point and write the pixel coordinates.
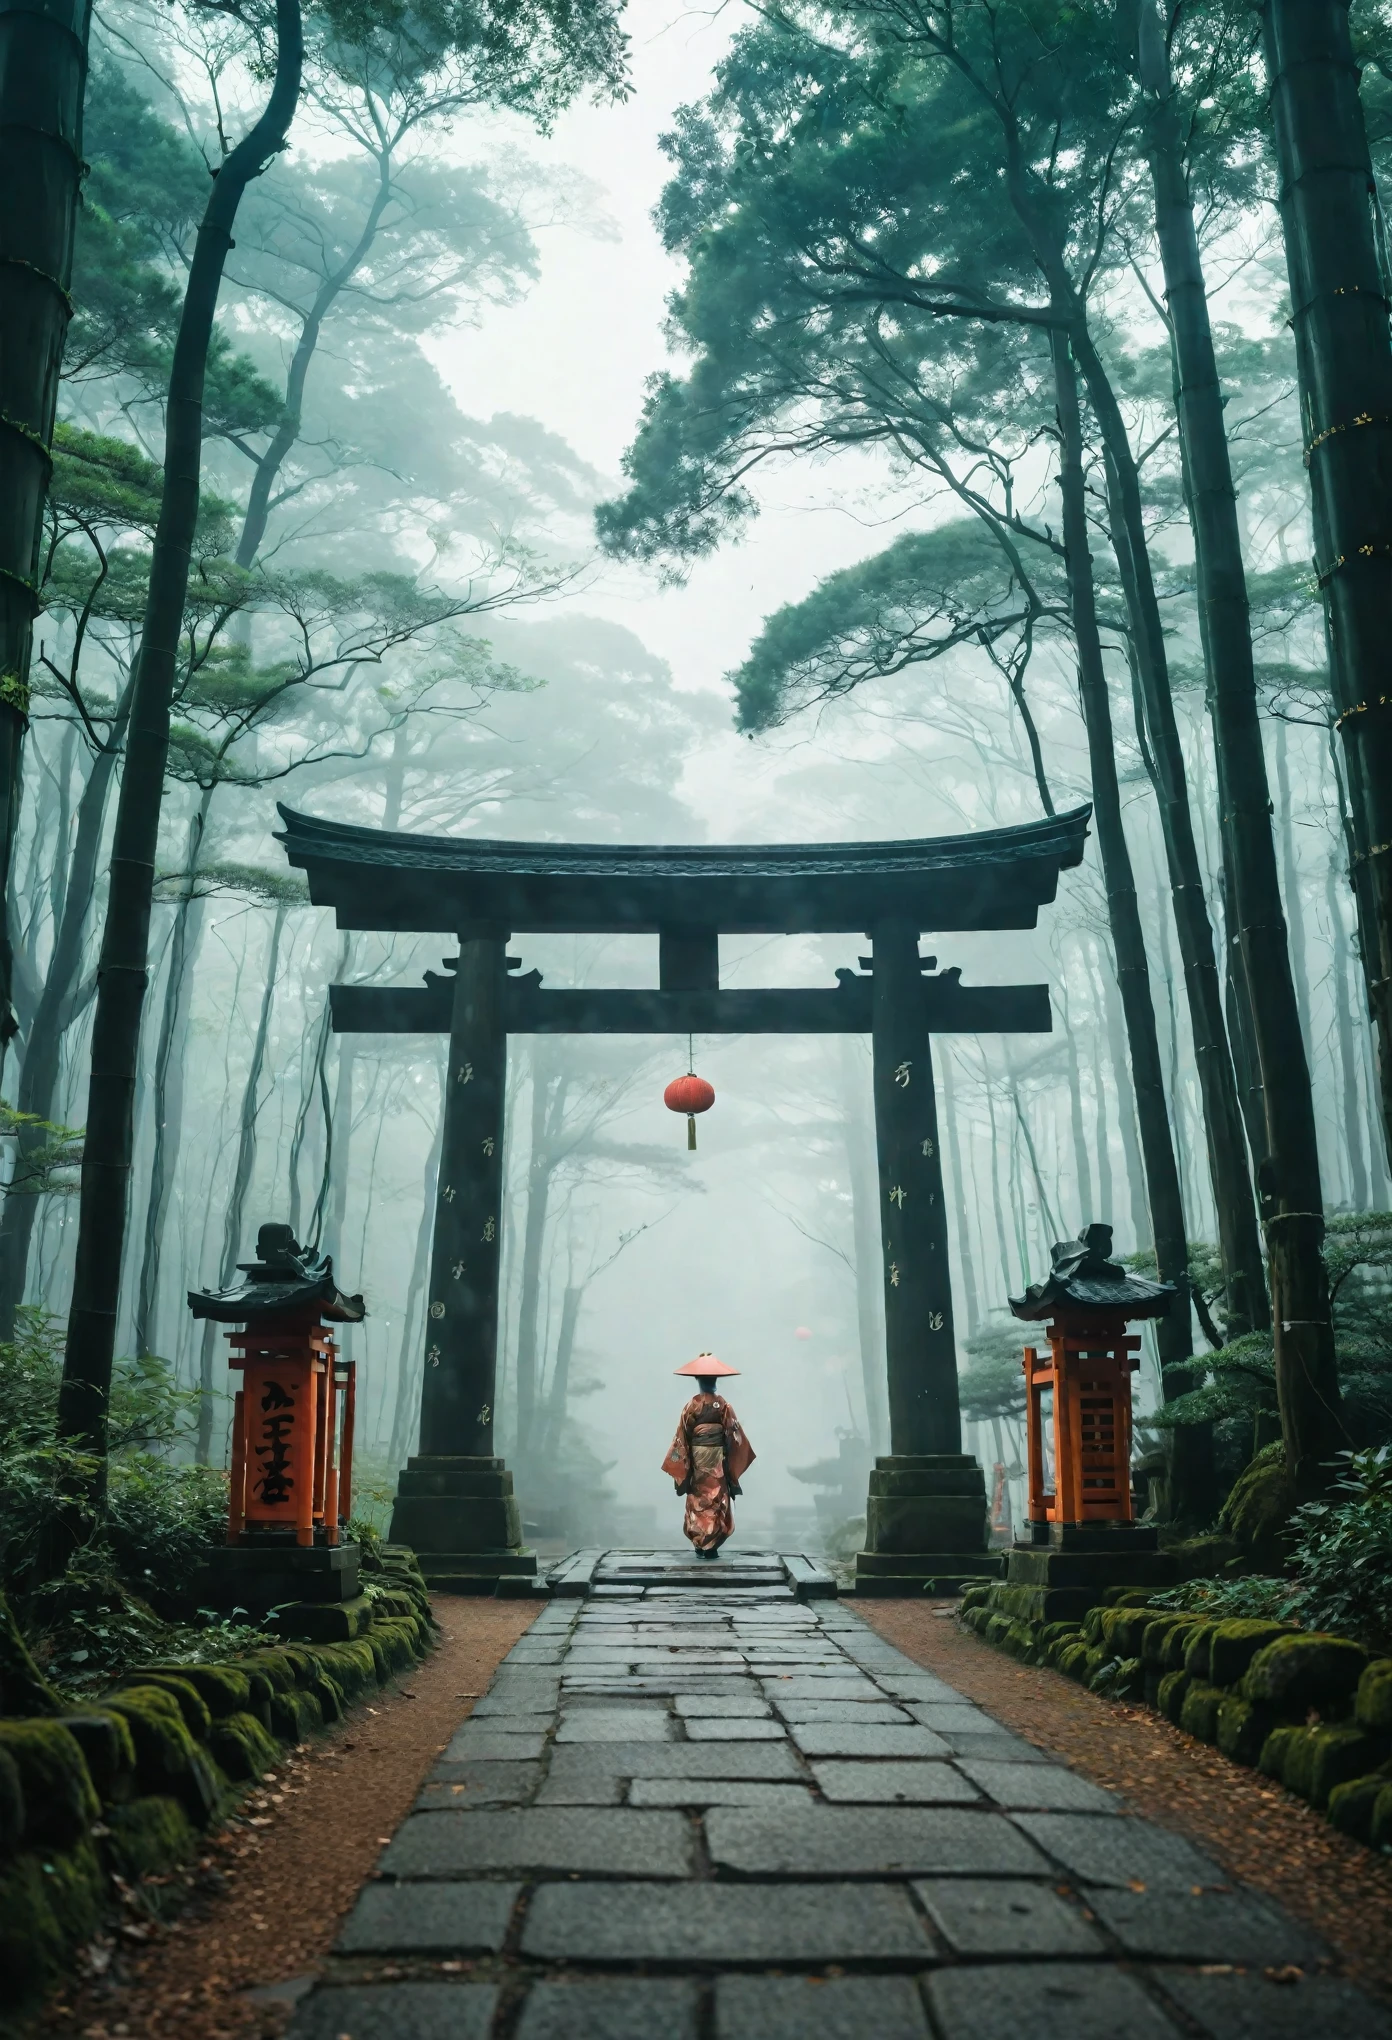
(802, 1332)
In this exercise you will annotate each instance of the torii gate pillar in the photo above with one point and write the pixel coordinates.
(454, 1504)
(926, 1520)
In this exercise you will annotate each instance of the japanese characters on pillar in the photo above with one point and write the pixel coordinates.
(292, 1424)
(921, 1347)
(1078, 1414)
(462, 1321)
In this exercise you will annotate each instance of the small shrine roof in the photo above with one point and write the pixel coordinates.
(1085, 1278)
(382, 878)
(284, 1277)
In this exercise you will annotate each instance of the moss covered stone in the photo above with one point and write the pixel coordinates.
(1170, 1698)
(1124, 1628)
(168, 1760)
(1351, 1805)
(223, 1689)
(1236, 1642)
(60, 1801)
(1176, 1642)
(1330, 1756)
(11, 1805)
(275, 1667)
(106, 1746)
(1155, 1633)
(1196, 1650)
(23, 1688)
(1198, 1713)
(296, 1715)
(1072, 1659)
(194, 1709)
(1272, 1761)
(1243, 1727)
(339, 1621)
(996, 1630)
(149, 1836)
(1298, 1671)
(1257, 1512)
(243, 1747)
(329, 1694)
(1373, 1706)
(49, 1905)
(972, 1597)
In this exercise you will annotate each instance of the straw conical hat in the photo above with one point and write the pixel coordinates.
(705, 1363)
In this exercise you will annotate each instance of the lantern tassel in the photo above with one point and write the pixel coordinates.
(691, 1132)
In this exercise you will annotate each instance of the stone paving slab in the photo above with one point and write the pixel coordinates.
(900, 1781)
(623, 2008)
(1039, 1788)
(541, 1838)
(1205, 1926)
(1077, 2002)
(722, 1728)
(712, 1812)
(883, 1841)
(484, 1783)
(834, 2008)
(1253, 2008)
(429, 1919)
(717, 1792)
(1100, 1849)
(396, 2011)
(979, 1916)
(848, 1739)
(761, 1924)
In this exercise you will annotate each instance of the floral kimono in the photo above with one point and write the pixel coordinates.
(708, 1455)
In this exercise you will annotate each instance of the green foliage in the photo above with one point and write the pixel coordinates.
(1342, 1552)
(136, 1565)
(1238, 1381)
(1256, 1596)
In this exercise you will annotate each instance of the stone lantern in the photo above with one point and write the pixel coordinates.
(1081, 1534)
(290, 1492)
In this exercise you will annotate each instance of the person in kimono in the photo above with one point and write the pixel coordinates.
(709, 1454)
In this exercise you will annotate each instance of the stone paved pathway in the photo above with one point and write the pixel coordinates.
(711, 1811)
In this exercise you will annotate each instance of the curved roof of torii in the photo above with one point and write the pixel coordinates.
(379, 878)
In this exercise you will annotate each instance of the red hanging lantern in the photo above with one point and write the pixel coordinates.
(689, 1094)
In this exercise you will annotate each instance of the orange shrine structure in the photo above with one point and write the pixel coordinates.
(290, 1493)
(1078, 1419)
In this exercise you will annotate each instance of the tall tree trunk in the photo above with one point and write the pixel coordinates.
(1288, 1175)
(38, 1077)
(234, 1217)
(998, 1209)
(959, 1185)
(1192, 1463)
(1352, 1107)
(82, 1412)
(1290, 885)
(170, 1061)
(1081, 1164)
(1114, 1020)
(1343, 356)
(43, 83)
(571, 1299)
(342, 1117)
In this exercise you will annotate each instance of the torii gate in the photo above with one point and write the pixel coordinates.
(926, 1513)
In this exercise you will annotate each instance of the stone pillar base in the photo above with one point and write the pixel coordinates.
(1068, 1570)
(926, 1526)
(271, 1571)
(460, 1517)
